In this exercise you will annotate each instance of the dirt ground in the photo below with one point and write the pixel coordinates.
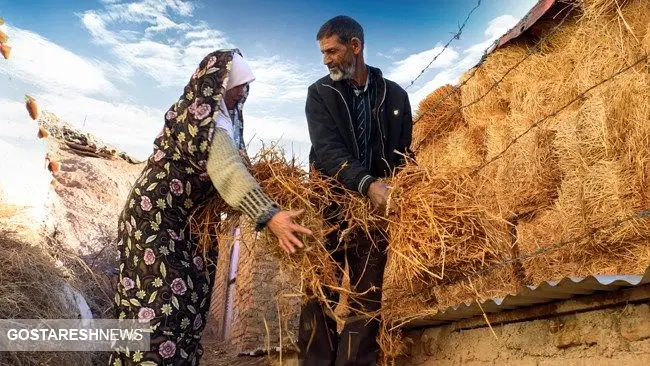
(219, 354)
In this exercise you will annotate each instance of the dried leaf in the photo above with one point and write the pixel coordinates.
(32, 107)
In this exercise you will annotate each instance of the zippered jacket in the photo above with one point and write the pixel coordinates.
(334, 150)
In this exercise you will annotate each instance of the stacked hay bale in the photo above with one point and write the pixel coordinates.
(522, 187)
(548, 199)
(601, 144)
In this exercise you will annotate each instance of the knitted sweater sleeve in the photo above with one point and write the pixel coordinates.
(234, 182)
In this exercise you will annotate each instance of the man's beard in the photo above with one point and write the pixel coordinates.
(344, 73)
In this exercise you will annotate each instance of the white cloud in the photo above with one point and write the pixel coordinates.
(97, 28)
(15, 120)
(470, 56)
(25, 181)
(408, 69)
(166, 50)
(74, 88)
(278, 79)
(392, 53)
(47, 66)
(81, 91)
(170, 60)
(440, 79)
(158, 39)
(390, 57)
(499, 26)
(266, 127)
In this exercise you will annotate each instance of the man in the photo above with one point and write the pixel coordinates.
(360, 128)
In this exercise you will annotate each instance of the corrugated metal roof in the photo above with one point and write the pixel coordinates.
(546, 292)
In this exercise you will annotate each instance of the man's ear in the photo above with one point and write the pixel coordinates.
(357, 47)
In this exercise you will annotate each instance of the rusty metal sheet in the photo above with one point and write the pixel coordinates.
(526, 22)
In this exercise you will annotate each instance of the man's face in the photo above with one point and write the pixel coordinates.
(234, 95)
(339, 58)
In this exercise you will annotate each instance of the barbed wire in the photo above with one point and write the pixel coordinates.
(580, 96)
(643, 214)
(640, 215)
(456, 36)
(531, 51)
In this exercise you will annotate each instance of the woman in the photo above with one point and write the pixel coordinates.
(163, 277)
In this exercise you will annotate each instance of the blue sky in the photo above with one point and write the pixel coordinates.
(118, 65)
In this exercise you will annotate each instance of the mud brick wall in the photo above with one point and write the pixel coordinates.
(261, 290)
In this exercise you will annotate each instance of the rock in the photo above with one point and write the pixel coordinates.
(635, 326)
(76, 302)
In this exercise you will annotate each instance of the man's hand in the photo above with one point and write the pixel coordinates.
(282, 226)
(378, 193)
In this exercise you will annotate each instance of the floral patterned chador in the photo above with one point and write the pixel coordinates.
(163, 276)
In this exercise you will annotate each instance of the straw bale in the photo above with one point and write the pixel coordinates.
(627, 131)
(403, 299)
(494, 103)
(552, 252)
(441, 231)
(556, 39)
(438, 115)
(577, 177)
(497, 282)
(542, 85)
(645, 43)
(586, 216)
(602, 10)
(526, 178)
(602, 46)
(599, 195)
(459, 151)
(633, 18)
(611, 126)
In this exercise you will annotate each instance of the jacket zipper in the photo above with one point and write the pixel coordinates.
(354, 137)
(381, 132)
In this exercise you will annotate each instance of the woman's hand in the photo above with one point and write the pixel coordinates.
(282, 226)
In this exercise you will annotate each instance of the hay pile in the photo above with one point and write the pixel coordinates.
(293, 188)
(500, 185)
(31, 285)
(551, 198)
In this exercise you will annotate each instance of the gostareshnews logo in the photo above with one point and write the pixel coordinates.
(89, 335)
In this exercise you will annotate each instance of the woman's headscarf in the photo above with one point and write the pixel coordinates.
(190, 122)
(240, 74)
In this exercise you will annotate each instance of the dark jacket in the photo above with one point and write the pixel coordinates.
(334, 150)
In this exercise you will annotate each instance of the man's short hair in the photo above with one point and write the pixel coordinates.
(344, 27)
